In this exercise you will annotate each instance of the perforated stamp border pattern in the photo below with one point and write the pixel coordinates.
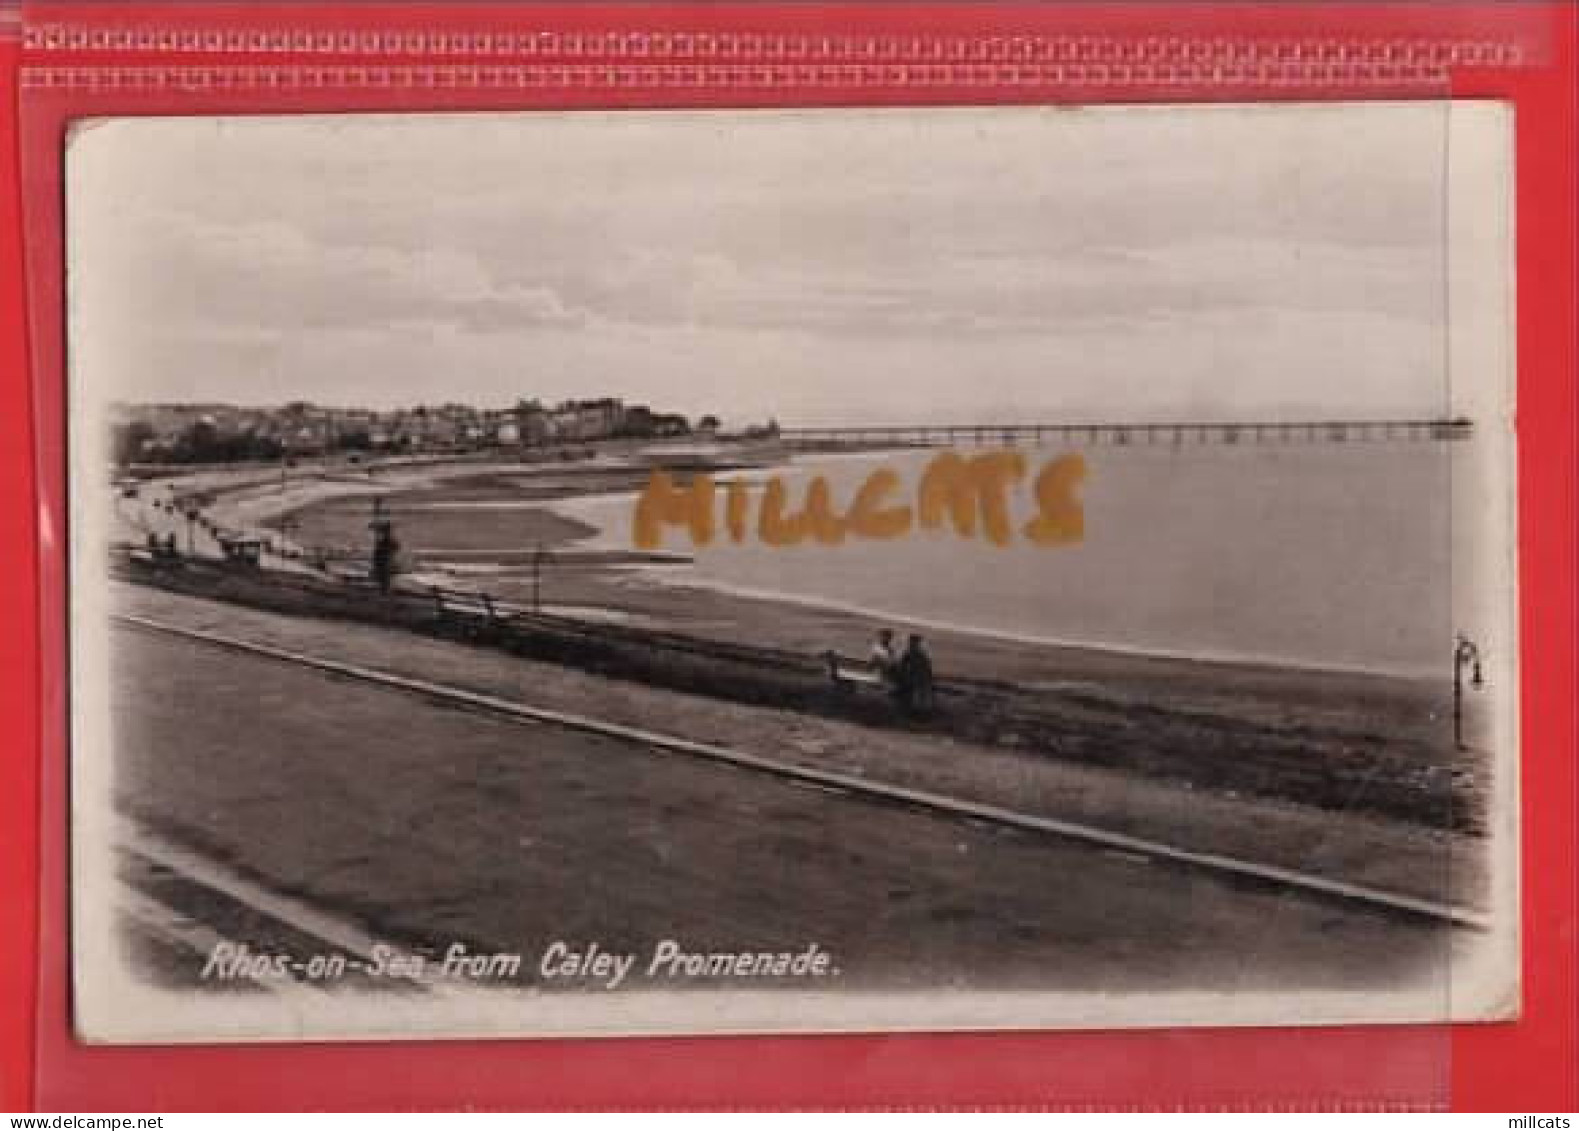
(106, 58)
(638, 43)
(766, 76)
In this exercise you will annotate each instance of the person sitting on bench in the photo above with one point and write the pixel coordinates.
(884, 657)
(913, 683)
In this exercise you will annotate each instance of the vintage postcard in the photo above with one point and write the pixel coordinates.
(794, 570)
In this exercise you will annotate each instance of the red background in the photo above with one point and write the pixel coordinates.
(1527, 1066)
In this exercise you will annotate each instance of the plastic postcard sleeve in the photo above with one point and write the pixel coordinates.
(772, 556)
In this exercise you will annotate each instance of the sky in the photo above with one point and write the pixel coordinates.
(814, 267)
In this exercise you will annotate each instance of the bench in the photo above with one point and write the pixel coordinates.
(849, 674)
(242, 551)
(455, 603)
(154, 557)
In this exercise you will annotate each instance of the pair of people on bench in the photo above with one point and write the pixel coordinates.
(908, 674)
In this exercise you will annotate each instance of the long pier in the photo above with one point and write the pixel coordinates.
(1166, 432)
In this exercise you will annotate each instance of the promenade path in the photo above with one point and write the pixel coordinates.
(1347, 847)
(424, 824)
(159, 509)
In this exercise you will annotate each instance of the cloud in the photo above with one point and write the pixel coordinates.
(269, 273)
(813, 261)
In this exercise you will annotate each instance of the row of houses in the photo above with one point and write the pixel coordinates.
(180, 433)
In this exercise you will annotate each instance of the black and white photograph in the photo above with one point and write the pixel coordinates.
(637, 572)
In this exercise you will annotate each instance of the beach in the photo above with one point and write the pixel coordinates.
(483, 527)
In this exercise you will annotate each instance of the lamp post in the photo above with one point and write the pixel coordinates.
(1466, 654)
(384, 547)
(538, 556)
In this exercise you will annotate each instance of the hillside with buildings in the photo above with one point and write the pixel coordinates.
(207, 433)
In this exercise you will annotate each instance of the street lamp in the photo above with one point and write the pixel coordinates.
(539, 555)
(1466, 654)
(382, 565)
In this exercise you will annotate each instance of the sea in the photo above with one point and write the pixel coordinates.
(1319, 554)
